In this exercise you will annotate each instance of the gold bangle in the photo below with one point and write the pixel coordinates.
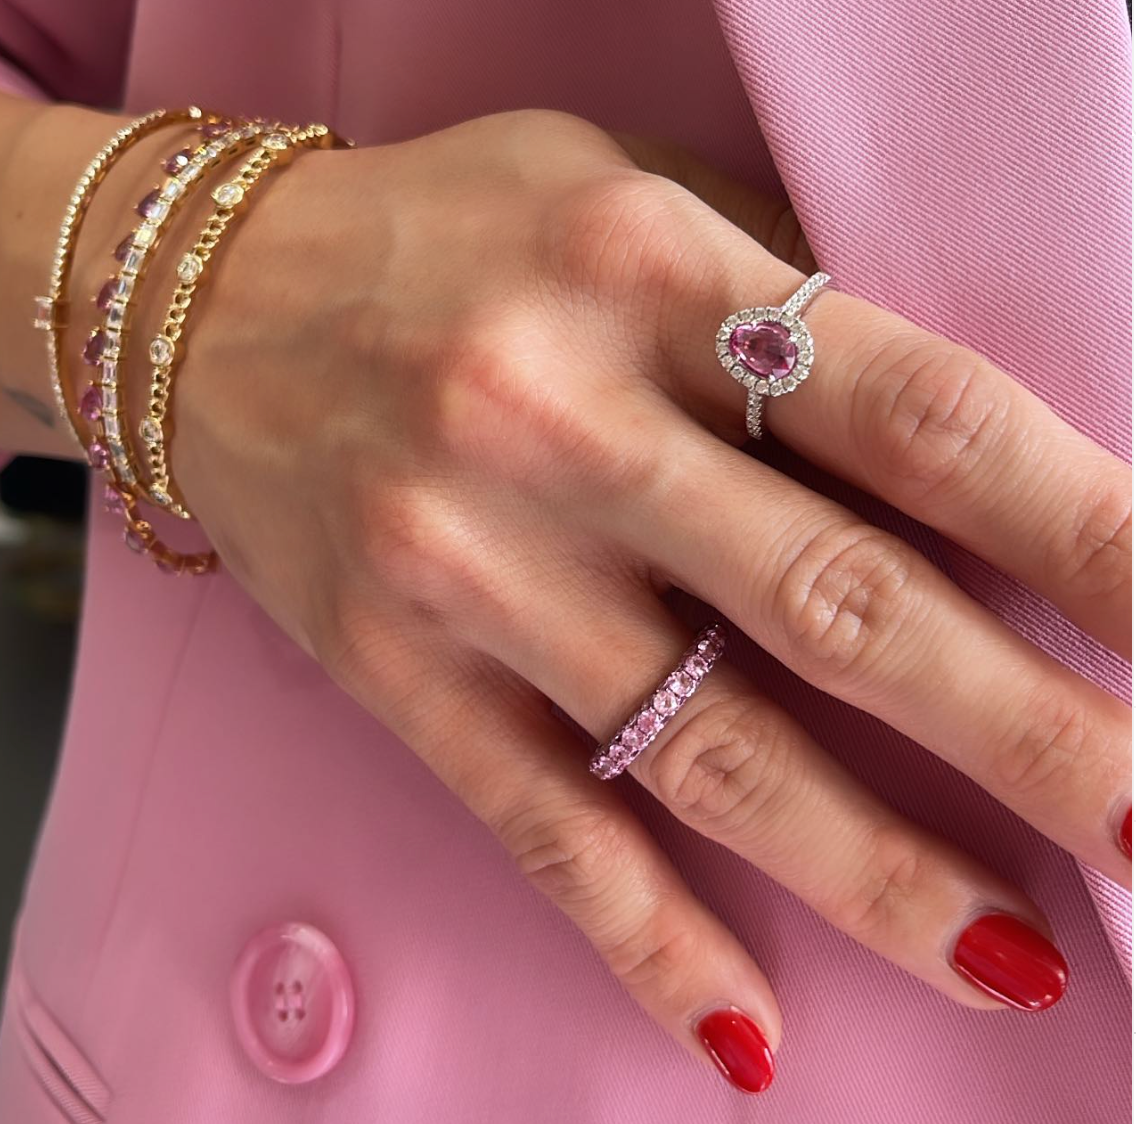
(52, 310)
(110, 447)
(231, 198)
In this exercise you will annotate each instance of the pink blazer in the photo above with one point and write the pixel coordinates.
(222, 810)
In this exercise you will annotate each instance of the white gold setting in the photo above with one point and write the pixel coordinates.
(759, 387)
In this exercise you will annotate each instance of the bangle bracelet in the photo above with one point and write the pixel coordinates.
(52, 310)
(231, 198)
(110, 448)
(276, 147)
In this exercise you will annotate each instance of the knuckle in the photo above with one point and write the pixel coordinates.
(842, 598)
(729, 770)
(570, 854)
(942, 416)
(1056, 756)
(494, 415)
(657, 957)
(624, 228)
(1098, 563)
(892, 877)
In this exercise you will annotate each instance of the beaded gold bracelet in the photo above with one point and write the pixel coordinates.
(276, 148)
(110, 448)
(52, 310)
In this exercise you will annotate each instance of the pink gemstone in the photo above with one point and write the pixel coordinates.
(94, 347)
(109, 292)
(178, 161)
(97, 454)
(765, 348)
(632, 738)
(649, 722)
(124, 247)
(148, 201)
(695, 666)
(91, 404)
(665, 702)
(134, 540)
(112, 500)
(681, 683)
(215, 129)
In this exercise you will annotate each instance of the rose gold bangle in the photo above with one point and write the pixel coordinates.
(231, 198)
(110, 447)
(52, 310)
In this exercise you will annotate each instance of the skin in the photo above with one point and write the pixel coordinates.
(450, 413)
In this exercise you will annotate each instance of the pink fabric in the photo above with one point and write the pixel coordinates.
(966, 165)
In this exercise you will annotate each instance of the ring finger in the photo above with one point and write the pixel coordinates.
(736, 768)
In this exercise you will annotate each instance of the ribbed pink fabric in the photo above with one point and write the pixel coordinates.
(965, 165)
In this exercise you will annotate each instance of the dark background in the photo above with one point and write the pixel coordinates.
(41, 559)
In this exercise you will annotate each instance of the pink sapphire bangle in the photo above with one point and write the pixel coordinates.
(52, 310)
(110, 448)
(769, 350)
(660, 706)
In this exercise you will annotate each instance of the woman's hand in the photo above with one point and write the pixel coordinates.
(453, 417)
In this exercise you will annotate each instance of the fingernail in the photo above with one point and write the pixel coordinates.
(1124, 836)
(738, 1048)
(1011, 961)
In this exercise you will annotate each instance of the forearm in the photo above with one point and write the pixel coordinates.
(43, 150)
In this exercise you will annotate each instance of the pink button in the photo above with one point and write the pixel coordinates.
(292, 1002)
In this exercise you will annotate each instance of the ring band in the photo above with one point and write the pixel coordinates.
(661, 705)
(768, 350)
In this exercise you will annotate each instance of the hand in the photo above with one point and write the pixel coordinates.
(452, 416)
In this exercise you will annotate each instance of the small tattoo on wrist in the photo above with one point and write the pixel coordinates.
(41, 411)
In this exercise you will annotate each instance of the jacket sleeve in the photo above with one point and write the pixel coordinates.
(64, 50)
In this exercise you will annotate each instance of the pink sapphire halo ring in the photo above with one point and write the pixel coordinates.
(769, 350)
(661, 705)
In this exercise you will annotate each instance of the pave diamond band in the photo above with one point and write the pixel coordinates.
(660, 706)
(769, 350)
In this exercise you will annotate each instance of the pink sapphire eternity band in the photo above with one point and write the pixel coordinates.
(769, 350)
(661, 705)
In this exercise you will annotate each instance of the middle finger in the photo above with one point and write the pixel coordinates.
(862, 615)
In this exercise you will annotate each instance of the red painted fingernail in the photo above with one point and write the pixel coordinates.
(1124, 837)
(738, 1048)
(1011, 961)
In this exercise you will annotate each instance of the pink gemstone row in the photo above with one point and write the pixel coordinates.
(610, 759)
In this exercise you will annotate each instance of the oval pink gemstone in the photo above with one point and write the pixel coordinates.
(124, 247)
(178, 161)
(112, 500)
(213, 129)
(108, 293)
(94, 347)
(91, 404)
(765, 348)
(148, 201)
(97, 454)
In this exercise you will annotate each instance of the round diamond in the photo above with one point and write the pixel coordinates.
(160, 497)
(189, 268)
(161, 351)
(151, 430)
(275, 140)
(228, 194)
